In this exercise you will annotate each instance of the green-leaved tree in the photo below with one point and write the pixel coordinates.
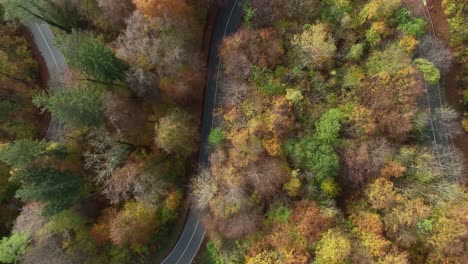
(317, 153)
(11, 248)
(430, 72)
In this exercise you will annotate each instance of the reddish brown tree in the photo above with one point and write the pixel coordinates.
(267, 176)
(240, 225)
(364, 160)
(246, 48)
(309, 220)
(392, 98)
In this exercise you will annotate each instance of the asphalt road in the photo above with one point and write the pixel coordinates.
(228, 21)
(56, 66)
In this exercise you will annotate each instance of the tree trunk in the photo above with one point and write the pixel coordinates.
(101, 82)
(48, 21)
(14, 78)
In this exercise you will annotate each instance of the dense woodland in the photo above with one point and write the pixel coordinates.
(111, 183)
(323, 150)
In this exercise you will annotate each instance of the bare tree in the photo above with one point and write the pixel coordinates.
(268, 12)
(135, 181)
(436, 52)
(365, 160)
(160, 46)
(30, 219)
(246, 48)
(448, 118)
(104, 155)
(142, 83)
(149, 187)
(233, 91)
(204, 189)
(46, 251)
(116, 11)
(451, 163)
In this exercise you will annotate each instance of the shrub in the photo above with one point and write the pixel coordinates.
(356, 52)
(376, 32)
(430, 73)
(294, 96)
(12, 247)
(353, 76)
(330, 187)
(293, 186)
(280, 214)
(216, 137)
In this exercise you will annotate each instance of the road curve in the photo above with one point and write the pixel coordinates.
(228, 20)
(56, 67)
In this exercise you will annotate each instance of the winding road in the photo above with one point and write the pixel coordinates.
(56, 67)
(228, 20)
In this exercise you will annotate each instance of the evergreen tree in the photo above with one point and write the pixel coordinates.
(74, 107)
(88, 53)
(57, 189)
(22, 152)
(38, 10)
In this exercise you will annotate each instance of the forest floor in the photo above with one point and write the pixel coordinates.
(453, 92)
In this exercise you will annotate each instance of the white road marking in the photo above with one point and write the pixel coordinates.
(51, 54)
(212, 121)
(198, 248)
(193, 234)
(219, 63)
(175, 246)
(59, 72)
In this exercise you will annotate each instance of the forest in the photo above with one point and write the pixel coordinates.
(332, 140)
